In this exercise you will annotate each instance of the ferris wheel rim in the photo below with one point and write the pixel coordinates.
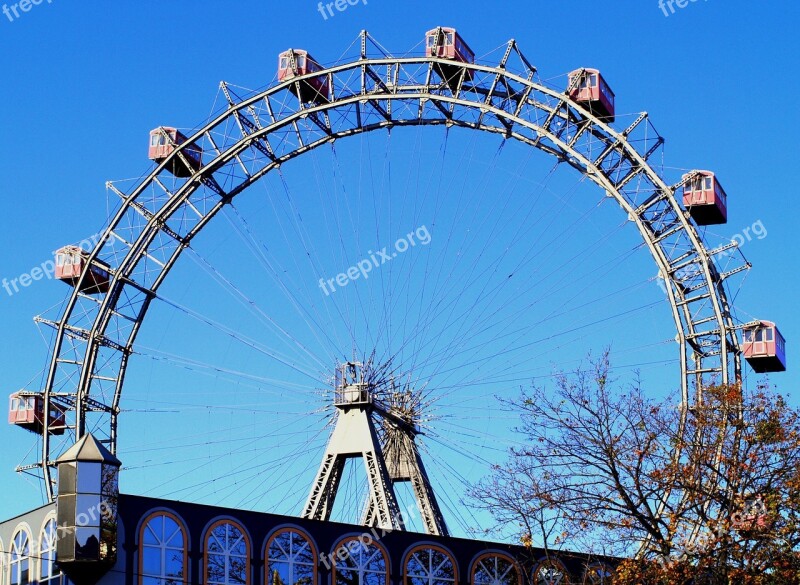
(562, 107)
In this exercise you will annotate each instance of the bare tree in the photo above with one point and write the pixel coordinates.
(714, 493)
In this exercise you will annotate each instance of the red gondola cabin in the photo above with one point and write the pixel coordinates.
(764, 347)
(590, 90)
(296, 62)
(27, 412)
(70, 262)
(752, 517)
(705, 199)
(165, 140)
(445, 43)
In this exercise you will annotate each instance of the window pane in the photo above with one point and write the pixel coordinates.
(110, 486)
(88, 510)
(303, 575)
(496, 570)
(430, 567)
(216, 568)
(173, 534)
(21, 545)
(162, 551)
(279, 573)
(280, 546)
(87, 542)
(238, 570)
(363, 565)
(173, 563)
(291, 560)
(152, 532)
(227, 555)
(347, 577)
(238, 546)
(89, 477)
(215, 544)
(550, 573)
(444, 571)
(20, 559)
(47, 550)
(151, 561)
(416, 566)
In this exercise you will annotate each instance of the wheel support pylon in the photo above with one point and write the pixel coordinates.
(355, 434)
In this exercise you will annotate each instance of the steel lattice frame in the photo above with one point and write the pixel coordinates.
(96, 333)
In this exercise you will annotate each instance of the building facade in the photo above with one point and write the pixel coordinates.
(162, 542)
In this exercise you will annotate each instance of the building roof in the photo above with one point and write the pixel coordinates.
(88, 448)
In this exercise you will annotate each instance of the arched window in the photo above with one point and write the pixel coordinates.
(598, 574)
(291, 559)
(429, 565)
(48, 573)
(495, 569)
(360, 561)
(551, 572)
(20, 559)
(162, 550)
(227, 555)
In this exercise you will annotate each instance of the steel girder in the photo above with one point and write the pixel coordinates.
(255, 135)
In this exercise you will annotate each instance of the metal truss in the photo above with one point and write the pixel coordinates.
(404, 464)
(368, 408)
(257, 133)
(354, 435)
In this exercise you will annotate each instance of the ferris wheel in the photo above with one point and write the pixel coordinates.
(413, 271)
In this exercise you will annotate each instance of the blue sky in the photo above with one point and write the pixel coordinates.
(85, 82)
